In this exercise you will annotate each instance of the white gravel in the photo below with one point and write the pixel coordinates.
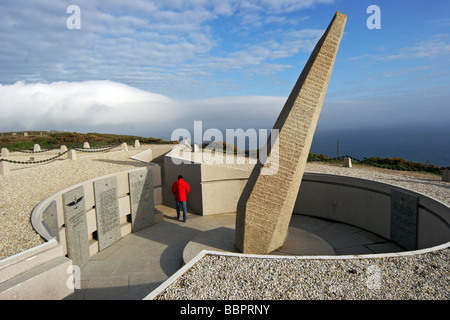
(216, 277)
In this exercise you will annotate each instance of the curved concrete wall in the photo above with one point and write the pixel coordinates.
(363, 203)
(38, 219)
(367, 204)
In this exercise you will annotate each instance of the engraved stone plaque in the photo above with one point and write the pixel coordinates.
(76, 226)
(142, 201)
(107, 212)
(404, 219)
(50, 220)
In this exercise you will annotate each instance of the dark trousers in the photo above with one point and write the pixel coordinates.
(179, 205)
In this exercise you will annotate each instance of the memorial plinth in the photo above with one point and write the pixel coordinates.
(107, 212)
(266, 203)
(77, 237)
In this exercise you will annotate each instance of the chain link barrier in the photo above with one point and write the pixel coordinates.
(41, 151)
(35, 162)
(97, 149)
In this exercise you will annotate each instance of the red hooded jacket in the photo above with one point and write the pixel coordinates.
(180, 189)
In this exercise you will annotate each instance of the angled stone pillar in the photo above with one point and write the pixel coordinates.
(265, 207)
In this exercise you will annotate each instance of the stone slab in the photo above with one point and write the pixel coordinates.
(404, 219)
(142, 202)
(50, 220)
(77, 238)
(107, 212)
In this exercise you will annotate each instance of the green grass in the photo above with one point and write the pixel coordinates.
(48, 140)
(387, 163)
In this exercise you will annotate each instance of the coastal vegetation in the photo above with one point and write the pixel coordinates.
(387, 163)
(18, 141)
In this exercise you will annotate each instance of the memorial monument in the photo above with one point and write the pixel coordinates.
(265, 207)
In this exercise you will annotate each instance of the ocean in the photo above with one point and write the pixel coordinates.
(423, 144)
(419, 144)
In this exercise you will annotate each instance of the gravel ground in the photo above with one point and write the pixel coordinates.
(216, 277)
(424, 276)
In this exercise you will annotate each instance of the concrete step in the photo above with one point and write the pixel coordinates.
(38, 273)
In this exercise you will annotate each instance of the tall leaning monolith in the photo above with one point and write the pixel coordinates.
(265, 207)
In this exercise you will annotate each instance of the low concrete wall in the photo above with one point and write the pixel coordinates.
(214, 188)
(221, 188)
(191, 173)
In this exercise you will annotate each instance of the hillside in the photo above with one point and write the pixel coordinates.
(49, 140)
(386, 163)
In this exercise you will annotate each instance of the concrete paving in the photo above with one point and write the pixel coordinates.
(138, 263)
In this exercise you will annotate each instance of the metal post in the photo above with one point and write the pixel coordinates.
(338, 148)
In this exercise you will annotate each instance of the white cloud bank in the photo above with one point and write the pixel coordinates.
(112, 107)
(106, 106)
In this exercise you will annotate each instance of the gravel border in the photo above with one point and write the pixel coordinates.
(421, 276)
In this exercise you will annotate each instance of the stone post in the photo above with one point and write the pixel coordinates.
(124, 146)
(86, 145)
(36, 148)
(347, 162)
(446, 175)
(137, 144)
(265, 207)
(4, 168)
(5, 152)
(72, 155)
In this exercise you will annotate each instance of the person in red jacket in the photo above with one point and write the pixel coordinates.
(180, 189)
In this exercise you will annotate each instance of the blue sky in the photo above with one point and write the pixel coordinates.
(148, 67)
